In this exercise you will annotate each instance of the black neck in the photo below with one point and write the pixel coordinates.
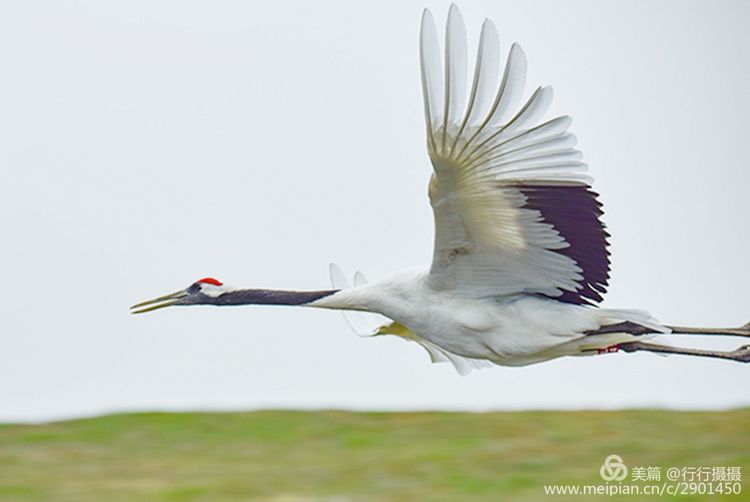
(269, 297)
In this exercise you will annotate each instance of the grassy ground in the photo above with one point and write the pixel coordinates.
(295, 456)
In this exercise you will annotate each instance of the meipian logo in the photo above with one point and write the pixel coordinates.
(613, 469)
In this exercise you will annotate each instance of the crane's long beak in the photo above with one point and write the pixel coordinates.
(158, 303)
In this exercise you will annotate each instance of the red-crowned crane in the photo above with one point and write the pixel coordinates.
(520, 255)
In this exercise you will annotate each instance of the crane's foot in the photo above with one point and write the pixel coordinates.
(741, 354)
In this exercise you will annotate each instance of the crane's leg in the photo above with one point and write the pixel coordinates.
(740, 354)
(682, 330)
(636, 329)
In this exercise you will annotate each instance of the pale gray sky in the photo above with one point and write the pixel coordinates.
(145, 144)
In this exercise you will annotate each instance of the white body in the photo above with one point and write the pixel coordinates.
(519, 247)
(520, 252)
(513, 330)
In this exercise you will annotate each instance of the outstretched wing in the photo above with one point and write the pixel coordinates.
(514, 212)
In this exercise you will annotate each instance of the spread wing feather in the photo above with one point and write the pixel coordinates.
(514, 212)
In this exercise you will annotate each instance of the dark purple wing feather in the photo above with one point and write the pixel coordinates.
(575, 213)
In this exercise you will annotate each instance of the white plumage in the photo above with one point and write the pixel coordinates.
(520, 254)
(513, 330)
(493, 258)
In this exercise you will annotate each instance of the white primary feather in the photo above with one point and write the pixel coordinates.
(511, 87)
(432, 84)
(455, 70)
(485, 76)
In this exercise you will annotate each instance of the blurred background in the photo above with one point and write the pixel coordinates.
(148, 144)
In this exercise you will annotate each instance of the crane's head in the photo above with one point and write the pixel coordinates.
(201, 291)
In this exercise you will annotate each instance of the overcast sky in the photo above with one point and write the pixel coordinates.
(144, 145)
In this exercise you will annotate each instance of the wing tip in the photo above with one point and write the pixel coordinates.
(488, 27)
(427, 17)
(455, 13)
(564, 120)
(338, 279)
(516, 47)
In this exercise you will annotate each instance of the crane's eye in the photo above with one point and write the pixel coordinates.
(194, 288)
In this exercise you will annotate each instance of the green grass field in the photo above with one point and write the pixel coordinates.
(342, 456)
